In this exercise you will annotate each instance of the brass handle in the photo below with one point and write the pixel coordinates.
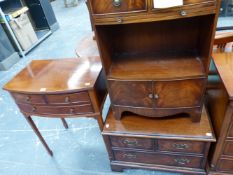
(182, 161)
(183, 13)
(129, 156)
(116, 3)
(151, 96)
(28, 98)
(34, 109)
(130, 143)
(180, 146)
(72, 110)
(67, 99)
(119, 20)
(156, 96)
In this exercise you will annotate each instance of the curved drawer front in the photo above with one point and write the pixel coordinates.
(81, 97)
(131, 142)
(25, 98)
(181, 146)
(117, 6)
(57, 110)
(159, 159)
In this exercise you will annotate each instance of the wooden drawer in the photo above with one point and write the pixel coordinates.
(24, 98)
(225, 165)
(158, 159)
(230, 132)
(181, 146)
(182, 93)
(81, 97)
(228, 148)
(57, 110)
(131, 142)
(112, 7)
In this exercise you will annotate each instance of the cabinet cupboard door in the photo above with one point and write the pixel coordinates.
(180, 93)
(131, 93)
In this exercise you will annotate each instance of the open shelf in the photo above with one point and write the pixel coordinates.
(156, 67)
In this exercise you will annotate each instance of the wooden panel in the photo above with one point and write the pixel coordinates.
(57, 110)
(230, 132)
(225, 165)
(27, 98)
(130, 93)
(159, 159)
(132, 142)
(68, 98)
(108, 6)
(181, 146)
(185, 93)
(228, 148)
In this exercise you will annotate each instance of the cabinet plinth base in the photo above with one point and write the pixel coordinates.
(194, 113)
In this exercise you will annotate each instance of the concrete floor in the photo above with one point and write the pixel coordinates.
(78, 150)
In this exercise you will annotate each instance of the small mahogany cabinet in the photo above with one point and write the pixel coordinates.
(165, 144)
(156, 60)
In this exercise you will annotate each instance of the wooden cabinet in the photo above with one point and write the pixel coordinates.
(220, 106)
(156, 60)
(174, 144)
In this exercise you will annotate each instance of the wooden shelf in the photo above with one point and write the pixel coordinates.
(156, 67)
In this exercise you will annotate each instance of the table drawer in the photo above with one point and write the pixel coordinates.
(57, 110)
(159, 159)
(131, 142)
(225, 165)
(117, 6)
(228, 148)
(80, 97)
(30, 99)
(181, 146)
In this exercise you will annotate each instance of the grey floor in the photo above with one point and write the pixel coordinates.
(78, 150)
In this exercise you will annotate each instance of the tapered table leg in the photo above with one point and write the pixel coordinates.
(35, 129)
(64, 123)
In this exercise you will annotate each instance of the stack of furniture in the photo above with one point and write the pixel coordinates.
(156, 63)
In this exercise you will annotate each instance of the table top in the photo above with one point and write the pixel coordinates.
(56, 76)
(224, 64)
(179, 127)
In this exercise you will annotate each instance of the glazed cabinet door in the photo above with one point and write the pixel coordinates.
(131, 93)
(180, 93)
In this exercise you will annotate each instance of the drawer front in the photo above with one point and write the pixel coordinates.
(57, 110)
(131, 142)
(126, 93)
(183, 93)
(30, 99)
(117, 6)
(230, 132)
(225, 165)
(81, 97)
(181, 146)
(159, 159)
(228, 148)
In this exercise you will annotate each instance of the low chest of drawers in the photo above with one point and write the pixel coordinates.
(220, 106)
(59, 88)
(173, 144)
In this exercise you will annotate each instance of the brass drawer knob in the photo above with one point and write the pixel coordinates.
(72, 110)
(130, 143)
(129, 156)
(28, 99)
(67, 99)
(116, 3)
(151, 96)
(180, 146)
(119, 20)
(156, 96)
(34, 109)
(182, 161)
(183, 13)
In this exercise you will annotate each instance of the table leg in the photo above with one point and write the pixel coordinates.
(35, 129)
(64, 123)
(100, 121)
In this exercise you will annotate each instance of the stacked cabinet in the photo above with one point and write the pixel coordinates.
(156, 60)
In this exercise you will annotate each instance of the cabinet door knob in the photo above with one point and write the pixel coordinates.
(151, 96)
(116, 3)
(183, 13)
(182, 161)
(180, 146)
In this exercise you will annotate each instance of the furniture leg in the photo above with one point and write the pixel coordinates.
(35, 129)
(64, 123)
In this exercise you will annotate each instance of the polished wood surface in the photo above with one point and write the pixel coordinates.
(54, 76)
(171, 144)
(60, 89)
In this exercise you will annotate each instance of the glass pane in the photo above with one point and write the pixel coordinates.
(226, 14)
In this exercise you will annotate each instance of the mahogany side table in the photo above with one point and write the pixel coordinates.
(59, 88)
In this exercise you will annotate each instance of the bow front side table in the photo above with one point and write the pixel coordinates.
(59, 88)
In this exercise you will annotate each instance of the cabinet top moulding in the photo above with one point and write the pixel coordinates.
(106, 12)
